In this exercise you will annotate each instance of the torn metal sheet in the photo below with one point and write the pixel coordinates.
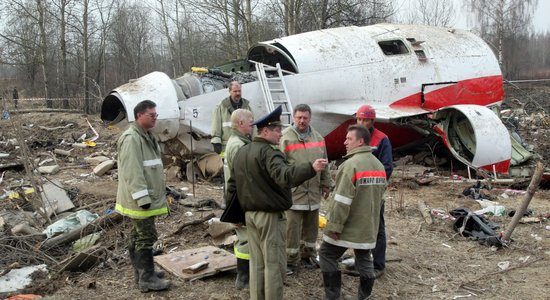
(55, 198)
(219, 260)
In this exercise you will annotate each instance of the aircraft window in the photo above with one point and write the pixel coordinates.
(421, 55)
(393, 47)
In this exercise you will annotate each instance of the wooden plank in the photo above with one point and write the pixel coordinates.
(219, 260)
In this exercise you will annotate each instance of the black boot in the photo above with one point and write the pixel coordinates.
(243, 274)
(333, 285)
(148, 280)
(365, 287)
(132, 252)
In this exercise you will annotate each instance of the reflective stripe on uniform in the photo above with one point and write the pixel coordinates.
(241, 255)
(152, 162)
(141, 213)
(305, 207)
(298, 146)
(140, 194)
(348, 244)
(292, 251)
(310, 245)
(369, 173)
(226, 124)
(342, 199)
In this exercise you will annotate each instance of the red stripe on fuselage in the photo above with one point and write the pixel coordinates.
(500, 167)
(479, 91)
(298, 146)
(370, 173)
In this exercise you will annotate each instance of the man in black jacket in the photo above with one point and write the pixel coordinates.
(262, 179)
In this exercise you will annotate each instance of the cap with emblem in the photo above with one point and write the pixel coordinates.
(271, 119)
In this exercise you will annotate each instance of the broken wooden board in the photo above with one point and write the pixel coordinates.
(219, 260)
(82, 261)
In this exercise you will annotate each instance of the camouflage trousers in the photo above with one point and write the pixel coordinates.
(143, 234)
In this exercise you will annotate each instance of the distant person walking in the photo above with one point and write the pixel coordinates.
(15, 96)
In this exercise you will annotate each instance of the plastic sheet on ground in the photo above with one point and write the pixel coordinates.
(72, 221)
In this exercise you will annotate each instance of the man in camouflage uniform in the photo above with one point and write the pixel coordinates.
(141, 193)
(302, 143)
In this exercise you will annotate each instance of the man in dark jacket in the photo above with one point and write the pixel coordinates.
(381, 148)
(262, 179)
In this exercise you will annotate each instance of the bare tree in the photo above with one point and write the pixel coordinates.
(432, 12)
(499, 20)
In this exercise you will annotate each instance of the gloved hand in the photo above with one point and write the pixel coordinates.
(217, 148)
(146, 206)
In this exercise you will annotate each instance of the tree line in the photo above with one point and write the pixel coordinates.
(84, 48)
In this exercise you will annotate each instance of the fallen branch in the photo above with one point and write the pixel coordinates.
(96, 225)
(56, 128)
(533, 186)
(194, 222)
(526, 264)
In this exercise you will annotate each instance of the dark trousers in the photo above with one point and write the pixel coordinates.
(143, 234)
(379, 252)
(329, 255)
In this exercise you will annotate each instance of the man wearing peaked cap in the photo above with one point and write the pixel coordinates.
(271, 119)
(262, 179)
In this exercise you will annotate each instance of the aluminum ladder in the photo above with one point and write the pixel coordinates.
(274, 90)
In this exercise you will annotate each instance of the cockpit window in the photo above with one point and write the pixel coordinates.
(393, 47)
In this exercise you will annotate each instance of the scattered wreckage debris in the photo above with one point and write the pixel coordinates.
(194, 222)
(470, 224)
(193, 264)
(73, 235)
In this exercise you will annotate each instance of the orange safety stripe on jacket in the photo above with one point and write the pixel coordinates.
(374, 173)
(298, 146)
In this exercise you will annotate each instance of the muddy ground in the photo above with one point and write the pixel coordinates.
(424, 261)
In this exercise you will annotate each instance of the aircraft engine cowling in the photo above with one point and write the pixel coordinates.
(118, 107)
(476, 136)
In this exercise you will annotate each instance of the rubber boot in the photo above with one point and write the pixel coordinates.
(132, 252)
(333, 285)
(148, 280)
(365, 287)
(243, 274)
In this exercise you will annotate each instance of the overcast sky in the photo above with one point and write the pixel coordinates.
(541, 18)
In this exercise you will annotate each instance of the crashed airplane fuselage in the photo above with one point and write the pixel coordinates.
(420, 79)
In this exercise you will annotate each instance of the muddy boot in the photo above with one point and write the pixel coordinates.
(148, 280)
(132, 252)
(243, 274)
(333, 285)
(365, 287)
